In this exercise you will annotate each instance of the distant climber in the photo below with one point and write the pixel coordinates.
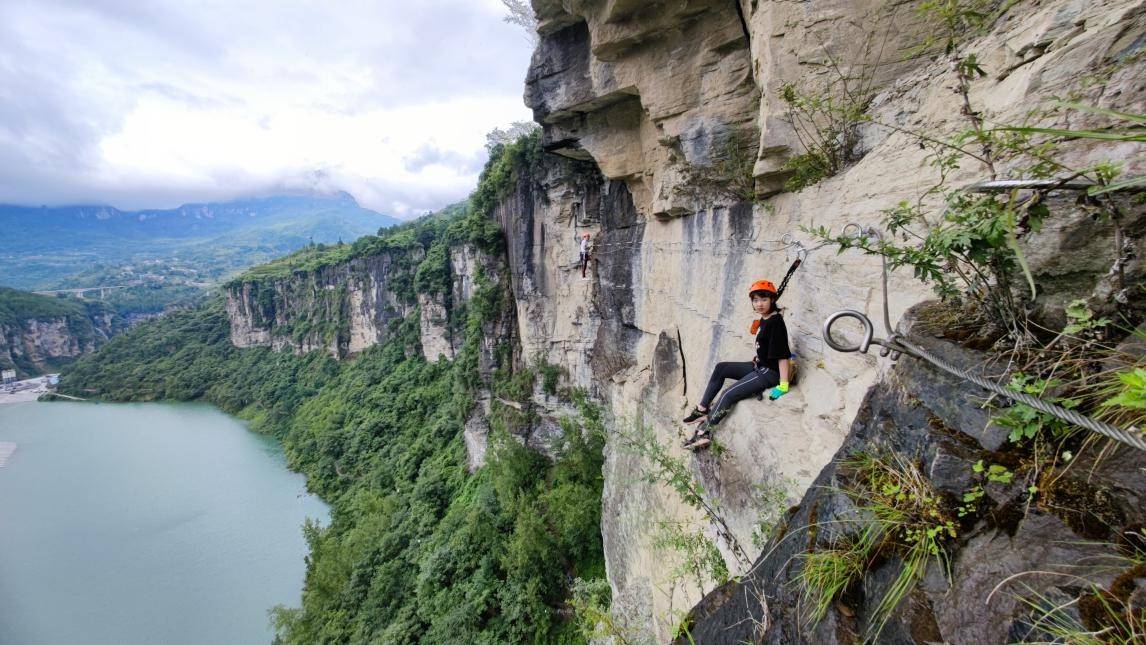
(584, 253)
(769, 368)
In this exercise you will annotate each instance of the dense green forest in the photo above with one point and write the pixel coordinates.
(418, 548)
(17, 306)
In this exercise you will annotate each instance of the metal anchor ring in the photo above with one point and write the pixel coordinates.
(859, 231)
(868, 331)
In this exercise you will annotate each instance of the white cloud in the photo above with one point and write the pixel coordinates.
(158, 103)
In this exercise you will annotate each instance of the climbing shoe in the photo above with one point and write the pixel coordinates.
(714, 419)
(689, 439)
(695, 415)
(701, 439)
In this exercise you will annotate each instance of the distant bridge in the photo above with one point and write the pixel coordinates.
(102, 291)
(79, 293)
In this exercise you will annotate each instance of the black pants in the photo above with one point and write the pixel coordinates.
(750, 381)
(584, 262)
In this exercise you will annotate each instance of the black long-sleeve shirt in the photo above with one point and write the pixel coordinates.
(772, 342)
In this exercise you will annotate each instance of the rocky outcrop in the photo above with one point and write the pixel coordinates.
(661, 306)
(644, 89)
(640, 97)
(37, 345)
(436, 333)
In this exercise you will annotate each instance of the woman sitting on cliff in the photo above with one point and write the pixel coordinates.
(768, 368)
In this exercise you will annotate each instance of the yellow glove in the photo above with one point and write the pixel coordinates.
(778, 391)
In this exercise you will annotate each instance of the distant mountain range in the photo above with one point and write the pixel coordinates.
(50, 247)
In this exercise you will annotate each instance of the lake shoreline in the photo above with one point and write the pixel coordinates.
(25, 391)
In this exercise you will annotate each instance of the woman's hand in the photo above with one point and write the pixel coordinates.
(781, 389)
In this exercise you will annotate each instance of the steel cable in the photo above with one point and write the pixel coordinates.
(896, 345)
(1131, 437)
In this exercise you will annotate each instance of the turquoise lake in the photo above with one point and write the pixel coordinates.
(145, 523)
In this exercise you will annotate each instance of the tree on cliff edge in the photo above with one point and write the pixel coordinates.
(521, 14)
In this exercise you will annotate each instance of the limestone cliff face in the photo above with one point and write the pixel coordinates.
(346, 307)
(341, 309)
(36, 345)
(636, 96)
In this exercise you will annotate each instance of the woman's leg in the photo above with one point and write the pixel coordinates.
(721, 372)
(750, 385)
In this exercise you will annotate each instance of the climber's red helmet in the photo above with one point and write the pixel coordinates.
(585, 235)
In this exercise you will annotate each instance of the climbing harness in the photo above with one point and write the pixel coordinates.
(895, 345)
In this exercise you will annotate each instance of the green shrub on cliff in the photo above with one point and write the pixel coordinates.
(507, 162)
(433, 274)
(310, 258)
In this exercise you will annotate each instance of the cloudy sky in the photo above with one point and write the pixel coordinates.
(154, 103)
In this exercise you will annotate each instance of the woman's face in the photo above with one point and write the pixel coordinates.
(761, 304)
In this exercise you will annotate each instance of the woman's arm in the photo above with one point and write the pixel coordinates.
(782, 387)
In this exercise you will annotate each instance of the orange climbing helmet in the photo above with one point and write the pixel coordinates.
(763, 285)
(585, 234)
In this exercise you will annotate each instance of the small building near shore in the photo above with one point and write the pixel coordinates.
(7, 376)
